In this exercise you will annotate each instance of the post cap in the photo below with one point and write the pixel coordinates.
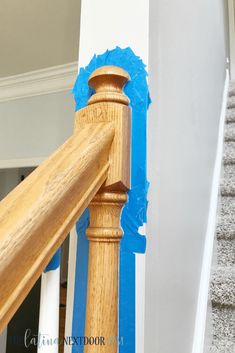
(108, 83)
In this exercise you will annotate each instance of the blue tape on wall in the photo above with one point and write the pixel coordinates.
(55, 262)
(134, 212)
(81, 274)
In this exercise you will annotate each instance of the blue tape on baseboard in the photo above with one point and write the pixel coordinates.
(134, 213)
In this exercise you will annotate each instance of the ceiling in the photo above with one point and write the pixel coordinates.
(36, 34)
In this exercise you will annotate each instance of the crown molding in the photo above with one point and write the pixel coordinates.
(34, 83)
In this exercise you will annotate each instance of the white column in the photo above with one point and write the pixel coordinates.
(49, 312)
(106, 24)
(231, 13)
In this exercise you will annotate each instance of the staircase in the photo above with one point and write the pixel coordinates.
(222, 288)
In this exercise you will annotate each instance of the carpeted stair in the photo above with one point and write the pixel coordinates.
(222, 288)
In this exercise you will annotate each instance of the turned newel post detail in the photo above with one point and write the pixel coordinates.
(108, 104)
(104, 234)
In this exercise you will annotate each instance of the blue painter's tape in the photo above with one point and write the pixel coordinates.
(80, 289)
(55, 262)
(134, 213)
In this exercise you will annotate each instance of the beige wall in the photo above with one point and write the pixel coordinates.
(37, 34)
(35, 127)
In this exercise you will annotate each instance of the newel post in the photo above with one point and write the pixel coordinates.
(104, 233)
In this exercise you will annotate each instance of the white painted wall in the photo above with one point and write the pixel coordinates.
(35, 127)
(186, 74)
(108, 23)
(30, 130)
(37, 34)
(231, 13)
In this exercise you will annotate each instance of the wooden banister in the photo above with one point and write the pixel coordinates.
(104, 232)
(38, 214)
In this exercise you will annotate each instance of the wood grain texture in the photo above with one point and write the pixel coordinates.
(108, 104)
(38, 214)
(108, 82)
(104, 234)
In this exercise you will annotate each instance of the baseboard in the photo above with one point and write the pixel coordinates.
(201, 314)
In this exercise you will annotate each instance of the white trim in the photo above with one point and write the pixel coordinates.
(48, 328)
(45, 81)
(21, 163)
(140, 260)
(201, 315)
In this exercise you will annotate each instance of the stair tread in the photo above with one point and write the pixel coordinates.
(229, 152)
(228, 180)
(230, 132)
(222, 346)
(231, 89)
(226, 227)
(223, 323)
(226, 252)
(227, 205)
(223, 286)
(230, 115)
(226, 219)
(231, 101)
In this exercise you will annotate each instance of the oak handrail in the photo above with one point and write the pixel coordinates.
(38, 214)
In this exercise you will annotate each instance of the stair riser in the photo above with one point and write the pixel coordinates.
(226, 227)
(228, 181)
(229, 153)
(227, 205)
(226, 252)
(228, 191)
(230, 115)
(222, 346)
(223, 288)
(229, 132)
(223, 324)
(231, 91)
(231, 102)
